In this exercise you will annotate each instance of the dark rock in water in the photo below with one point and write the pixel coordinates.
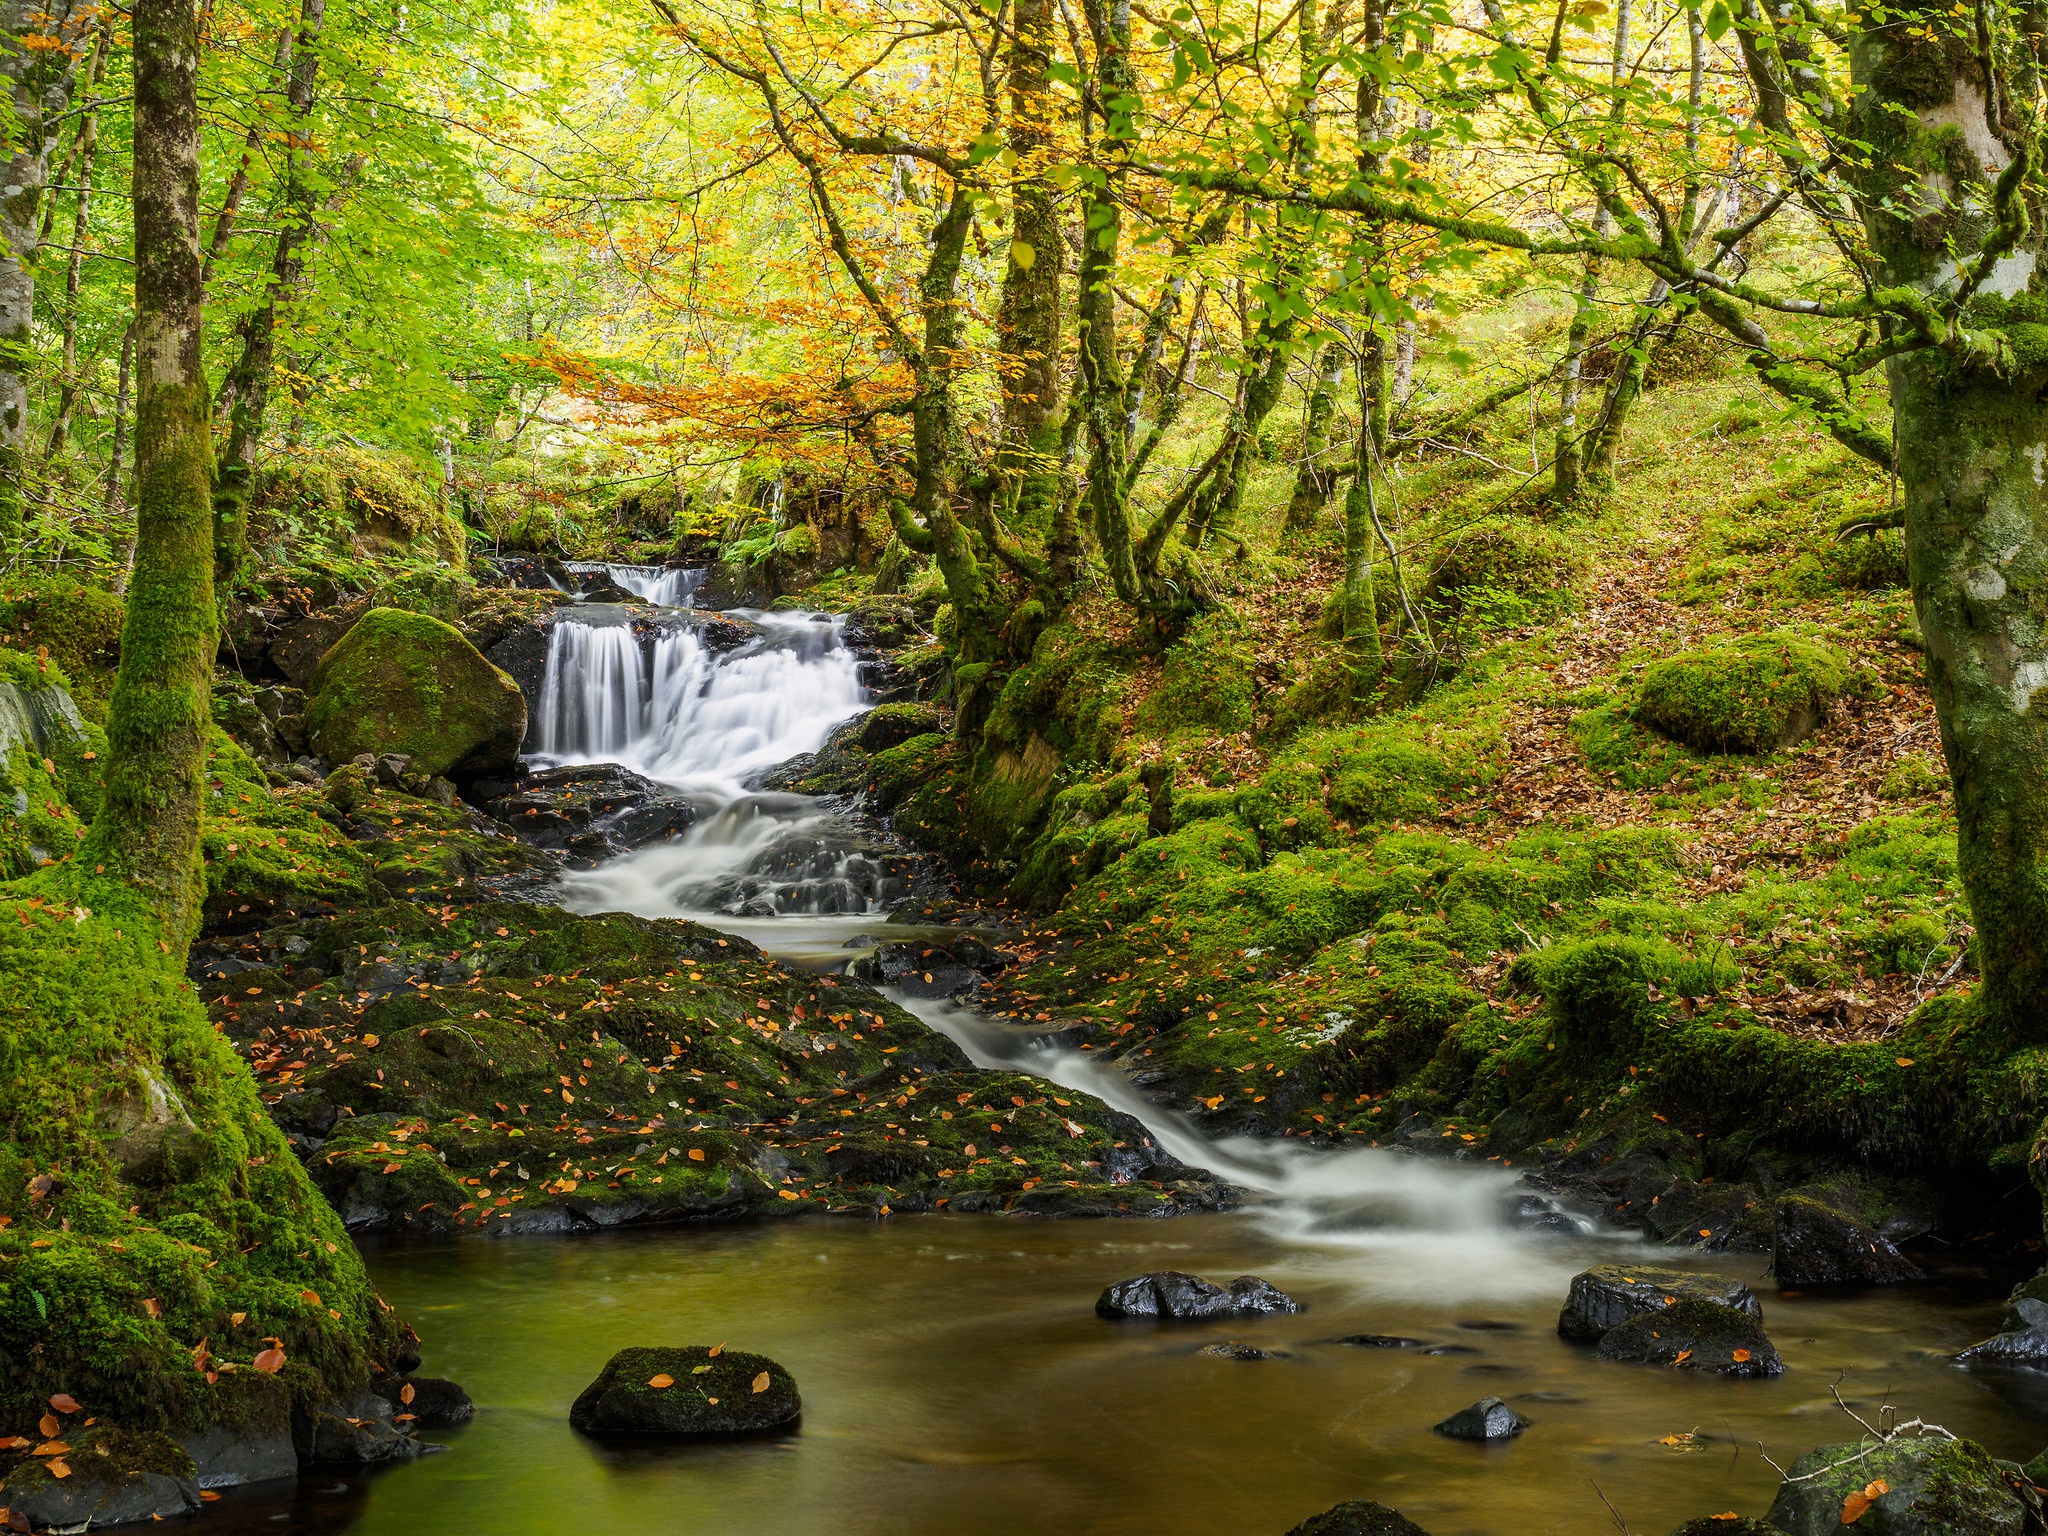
(1534, 1213)
(432, 1401)
(607, 592)
(1490, 1419)
(688, 1391)
(1378, 1341)
(1234, 1349)
(1818, 1245)
(932, 967)
(1168, 1293)
(1695, 1336)
(1489, 1325)
(359, 1434)
(1358, 1517)
(535, 573)
(592, 812)
(1451, 1349)
(1932, 1487)
(231, 1458)
(2022, 1338)
(1610, 1294)
(116, 1477)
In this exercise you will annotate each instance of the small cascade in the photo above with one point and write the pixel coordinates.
(666, 586)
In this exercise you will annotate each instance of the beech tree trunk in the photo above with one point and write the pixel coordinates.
(148, 827)
(1316, 478)
(1029, 323)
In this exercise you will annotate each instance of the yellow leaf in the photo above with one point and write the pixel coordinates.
(658, 1382)
(761, 1382)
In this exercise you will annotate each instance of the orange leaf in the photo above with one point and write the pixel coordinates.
(208, 1496)
(15, 1443)
(49, 1426)
(406, 1394)
(696, 1154)
(761, 1382)
(270, 1362)
(717, 1348)
(1741, 1355)
(312, 1296)
(238, 1318)
(1683, 1356)
(1854, 1508)
(150, 1306)
(658, 1382)
(52, 1448)
(63, 1402)
(58, 1467)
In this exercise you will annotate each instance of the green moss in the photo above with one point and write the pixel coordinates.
(1206, 681)
(1754, 695)
(1509, 562)
(268, 852)
(344, 501)
(407, 683)
(1914, 776)
(78, 626)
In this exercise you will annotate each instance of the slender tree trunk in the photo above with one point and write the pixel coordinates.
(1029, 321)
(238, 184)
(88, 155)
(117, 490)
(248, 383)
(1363, 656)
(148, 827)
(1315, 479)
(38, 84)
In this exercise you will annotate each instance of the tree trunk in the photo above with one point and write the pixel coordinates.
(38, 84)
(1029, 321)
(88, 154)
(1315, 479)
(148, 827)
(248, 383)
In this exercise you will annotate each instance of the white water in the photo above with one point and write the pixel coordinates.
(798, 878)
(666, 586)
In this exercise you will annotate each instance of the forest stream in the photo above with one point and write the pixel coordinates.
(954, 1374)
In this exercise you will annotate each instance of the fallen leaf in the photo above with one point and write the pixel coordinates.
(406, 1394)
(49, 1426)
(52, 1448)
(1683, 1356)
(270, 1362)
(696, 1154)
(1904, 1061)
(63, 1402)
(59, 1467)
(761, 1382)
(150, 1305)
(1741, 1355)
(238, 1318)
(717, 1349)
(663, 1380)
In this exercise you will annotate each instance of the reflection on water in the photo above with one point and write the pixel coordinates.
(956, 1379)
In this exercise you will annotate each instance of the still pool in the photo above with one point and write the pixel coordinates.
(956, 1380)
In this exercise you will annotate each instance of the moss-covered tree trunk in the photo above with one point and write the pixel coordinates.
(1315, 478)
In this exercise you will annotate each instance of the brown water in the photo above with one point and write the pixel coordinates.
(955, 1379)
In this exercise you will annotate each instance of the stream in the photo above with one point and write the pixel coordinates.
(954, 1374)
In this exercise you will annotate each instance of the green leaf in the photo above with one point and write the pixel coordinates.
(1718, 20)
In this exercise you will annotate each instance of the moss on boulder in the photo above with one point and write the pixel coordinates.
(1932, 1487)
(406, 683)
(688, 1391)
(1756, 695)
(1500, 557)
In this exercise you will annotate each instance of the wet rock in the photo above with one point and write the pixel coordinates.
(1358, 1517)
(688, 1391)
(1719, 1218)
(297, 650)
(433, 1401)
(1489, 1419)
(890, 725)
(358, 1434)
(1819, 1245)
(1378, 1341)
(402, 683)
(1168, 1293)
(1537, 1213)
(534, 573)
(1608, 1295)
(592, 812)
(2022, 1338)
(1234, 1349)
(115, 1477)
(259, 1452)
(1931, 1487)
(933, 968)
(1694, 1335)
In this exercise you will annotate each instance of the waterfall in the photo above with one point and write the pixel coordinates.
(666, 586)
(689, 716)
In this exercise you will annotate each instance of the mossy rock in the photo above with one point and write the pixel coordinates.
(1694, 1335)
(111, 1477)
(401, 682)
(1358, 1517)
(375, 503)
(1756, 695)
(1933, 1487)
(687, 1391)
(1509, 558)
(1726, 1525)
(1206, 682)
(79, 626)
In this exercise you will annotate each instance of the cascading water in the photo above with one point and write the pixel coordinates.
(666, 586)
(807, 881)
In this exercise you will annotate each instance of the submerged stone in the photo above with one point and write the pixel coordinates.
(1695, 1335)
(364, 1433)
(1819, 1245)
(687, 1391)
(1925, 1487)
(1608, 1295)
(1488, 1419)
(1234, 1349)
(1358, 1517)
(1168, 1293)
(1378, 1341)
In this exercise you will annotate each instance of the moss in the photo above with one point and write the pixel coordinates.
(268, 852)
(1206, 681)
(1526, 565)
(1071, 694)
(406, 683)
(329, 500)
(77, 625)
(1754, 695)
(1912, 777)
(1930, 1484)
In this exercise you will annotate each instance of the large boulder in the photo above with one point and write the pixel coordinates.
(1819, 1245)
(1924, 1487)
(687, 1391)
(1694, 1335)
(1757, 694)
(1171, 1294)
(404, 683)
(1608, 1295)
(1358, 1517)
(2022, 1338)
(1487, 1419)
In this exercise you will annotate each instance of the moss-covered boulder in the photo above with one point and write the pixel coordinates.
(103, 1476)
(1606, 1296)
(1504, 562)
(405, 683)
(1695, 1335)
(1758, 694)
(688, 1391)
(333, 501)
(1358, 1517)
(1925, 1487)
(1816, 1244)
